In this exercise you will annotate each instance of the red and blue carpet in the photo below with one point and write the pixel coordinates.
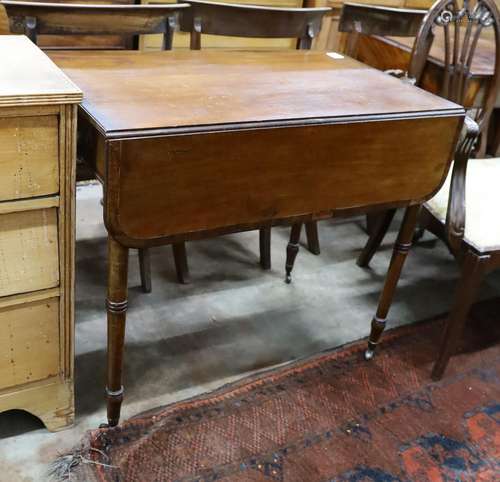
(333, 417)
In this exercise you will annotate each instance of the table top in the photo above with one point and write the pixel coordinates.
(483, 62)
(127, 93)
(28, 77)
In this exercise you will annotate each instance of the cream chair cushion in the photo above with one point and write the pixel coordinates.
(482, 203)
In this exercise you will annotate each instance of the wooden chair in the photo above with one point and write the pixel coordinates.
(254, 21)
(84, 42)
(355, 20)
(464, 213)
(416, 70)
(251, 21)
(34, 19)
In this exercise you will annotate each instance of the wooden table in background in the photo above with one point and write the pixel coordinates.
(192, 143)
(331, 39)
(394, 53)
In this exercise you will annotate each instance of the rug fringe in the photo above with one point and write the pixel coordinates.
(64, 466)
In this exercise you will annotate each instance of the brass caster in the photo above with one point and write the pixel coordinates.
(369, 354)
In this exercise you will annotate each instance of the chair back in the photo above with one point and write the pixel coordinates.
(356, 19)
(34, 18)
(462, 25)
(251, 21)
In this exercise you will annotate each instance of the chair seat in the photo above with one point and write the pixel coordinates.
(482, 194)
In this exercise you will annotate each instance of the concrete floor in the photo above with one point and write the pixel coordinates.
(231, 320)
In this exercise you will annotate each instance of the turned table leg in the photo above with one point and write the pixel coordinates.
(291, 250)
(401, 248)
(116, 307)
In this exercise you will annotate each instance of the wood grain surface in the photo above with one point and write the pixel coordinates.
(19, 85)
(385, 53)
(238, 179)
(29, 342)
(28, 251)
(160, 90)
(29, 156)
(483, 62)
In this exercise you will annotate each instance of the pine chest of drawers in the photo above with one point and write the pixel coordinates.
(37, 202)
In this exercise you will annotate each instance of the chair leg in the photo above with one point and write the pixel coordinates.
(116, 309)
(419, 234)
(372, 220)
(145, 269)
(495, 133)
(377, 235)
(401, 248)
(291, 250)
(472, 275)
(312, 237)
(181, 263)
(265, 247)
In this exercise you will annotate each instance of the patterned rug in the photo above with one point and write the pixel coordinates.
(333, 417)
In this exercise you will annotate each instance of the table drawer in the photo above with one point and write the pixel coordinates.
(28, 251)
(29, 156)
(29, 342)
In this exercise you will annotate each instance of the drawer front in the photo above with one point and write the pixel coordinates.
(29, 342)
(29, 156)
(28, 251)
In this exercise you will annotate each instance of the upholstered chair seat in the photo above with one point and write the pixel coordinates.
(482, 194)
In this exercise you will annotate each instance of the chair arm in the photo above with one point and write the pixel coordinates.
(455, 215)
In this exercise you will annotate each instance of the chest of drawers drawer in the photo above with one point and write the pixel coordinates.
(29, 155)
(29, 345)
(29, 258)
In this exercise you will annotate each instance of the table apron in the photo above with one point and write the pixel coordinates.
(165, 188)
